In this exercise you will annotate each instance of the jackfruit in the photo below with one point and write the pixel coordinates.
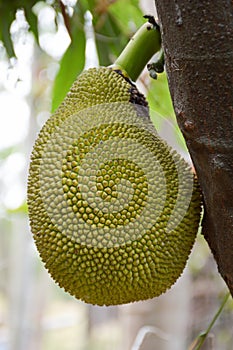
(114, 211)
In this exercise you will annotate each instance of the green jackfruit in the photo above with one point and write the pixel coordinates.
(113, 210)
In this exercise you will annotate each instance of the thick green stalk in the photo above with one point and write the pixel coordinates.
(142, 46)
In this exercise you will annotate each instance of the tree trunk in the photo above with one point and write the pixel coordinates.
(197, 38)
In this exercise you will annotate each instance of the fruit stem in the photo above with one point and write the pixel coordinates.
(142, 46)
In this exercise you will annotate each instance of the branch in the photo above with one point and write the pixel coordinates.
(198, 45)
(142, 46)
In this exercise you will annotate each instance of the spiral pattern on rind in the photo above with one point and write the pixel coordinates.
(114, 211)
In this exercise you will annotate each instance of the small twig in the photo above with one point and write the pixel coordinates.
(65, 17)
(198, 342)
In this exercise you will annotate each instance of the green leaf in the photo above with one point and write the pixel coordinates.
(128, 15)
(32, 21)
(109, 40)
(159, 96)
(72, 63)
(7, 15)
(161, 108)
(6, 152)
(114, 27)
(86, 5)
(22, 209)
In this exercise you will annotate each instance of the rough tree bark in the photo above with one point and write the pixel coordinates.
(198, 41)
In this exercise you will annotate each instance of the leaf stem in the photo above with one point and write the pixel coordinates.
(202, 337)
(142, 46)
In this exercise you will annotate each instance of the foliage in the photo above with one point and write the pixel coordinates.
(7, 14)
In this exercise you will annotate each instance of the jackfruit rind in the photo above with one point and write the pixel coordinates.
(127, 202)
(111, 218)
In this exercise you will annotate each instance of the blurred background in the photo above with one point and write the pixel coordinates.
(44, 45)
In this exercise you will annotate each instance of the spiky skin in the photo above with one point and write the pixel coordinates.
(112, 234)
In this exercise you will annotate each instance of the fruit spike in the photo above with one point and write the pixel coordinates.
(113, 210)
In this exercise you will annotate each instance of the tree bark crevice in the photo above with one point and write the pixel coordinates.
(198, 44)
